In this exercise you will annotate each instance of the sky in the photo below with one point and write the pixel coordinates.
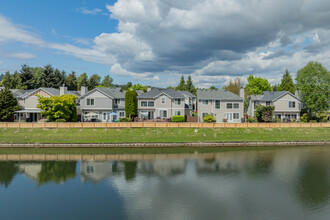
(154, 42)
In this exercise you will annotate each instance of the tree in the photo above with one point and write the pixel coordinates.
(190, 86)
(275, 87)
(213, 88)
(82, 80)
(59, 107)
(107, 81)
(8, 105)
(37, 80)
(16, 81)
(256, 85)
(265, 113)
(287, 83)
(59, 78)
(8, 170)
(48, 77)
(139, 87)
(313, 81)
(56, 171)
(71, 81)
(182, 85)
(94, 81)
(7, 80)
(234, 86)
(131, 103)
(1, 76)
(27, 77)
(127, 86)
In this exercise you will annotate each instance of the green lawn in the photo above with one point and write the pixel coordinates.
(86, 135)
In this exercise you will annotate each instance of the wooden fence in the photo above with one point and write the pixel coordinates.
(160, 125)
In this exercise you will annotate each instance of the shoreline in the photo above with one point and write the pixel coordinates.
(165, 144)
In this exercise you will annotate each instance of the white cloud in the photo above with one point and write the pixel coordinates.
(117, 69)
(20, 55)
(89, 11)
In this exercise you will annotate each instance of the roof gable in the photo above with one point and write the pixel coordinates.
(218, 95)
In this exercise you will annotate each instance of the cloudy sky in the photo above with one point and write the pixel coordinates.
(156, 41)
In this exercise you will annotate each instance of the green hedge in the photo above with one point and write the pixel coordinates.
(60, 120)
(209, 119)
(178, 118)
(125, 120)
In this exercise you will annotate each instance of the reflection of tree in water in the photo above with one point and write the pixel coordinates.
(130, 170)
(261, 166)
(56, 171)
(313, 187)
(8, 170)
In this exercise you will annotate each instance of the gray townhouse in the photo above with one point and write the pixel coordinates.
(223, 105)
(102, 104)
(190, 102)
(287, 105)
(162, 104)
(28, 100)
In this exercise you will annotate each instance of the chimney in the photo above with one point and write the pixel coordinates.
(63, 90)
(241, 92)
(148, 89)
(83, 90)
(296, 93)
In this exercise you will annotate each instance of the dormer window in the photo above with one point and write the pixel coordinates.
(90, 102)
(267, 103)
(163, 100)
(292, 104)
(117, 101)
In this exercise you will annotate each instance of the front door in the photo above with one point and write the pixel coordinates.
(229, 117)
(105, 116)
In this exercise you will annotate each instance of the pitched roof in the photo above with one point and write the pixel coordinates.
(156, 92)
(116, 93)
(270, 96)
(218, 94)
(188, 94)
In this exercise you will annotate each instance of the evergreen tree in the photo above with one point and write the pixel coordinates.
(127, 86)
(37, 80)
(16, 81)
(71, 81)
(8, 105)
(213, 88)
(7, 80)
(313, 81)
(182, 85)
(48, 77)
(82, 80)
(59, 78)
(27, 77)
(190, 86)
(131, 103)
(1, 76)
(287, 83)
(8, 170)
(94, 81)
(107, 81)
(275, 87)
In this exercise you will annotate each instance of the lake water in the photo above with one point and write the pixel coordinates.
(289, 183)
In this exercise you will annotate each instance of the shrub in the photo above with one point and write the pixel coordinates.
(294, 120)
(60, 120)
(278, 120)
(194, 113)
(304, 118)
(322, 116)
(265, 113)
(209, 119)
(125, 120)
(178, 118)
(252, 119)
(312, 121)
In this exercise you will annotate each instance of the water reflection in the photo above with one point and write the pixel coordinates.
(274, 184)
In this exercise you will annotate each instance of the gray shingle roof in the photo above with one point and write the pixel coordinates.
(218, 94)
(188, 94)
(51, 91)
(117, 93)
(156, 92)
(270, 96)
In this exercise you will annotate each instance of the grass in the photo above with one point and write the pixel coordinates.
(130, 135)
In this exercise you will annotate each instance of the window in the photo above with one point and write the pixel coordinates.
(293, 116)
(177, 113)
(121, 114)
(90, 101)
(104, 116)
(205, 102)
(292, 104)
(163, 113)
(217, 104)
(229, 105)
(268, 103)
(177, 101)
(144, 104)
(117, 101)
(236, 105)
(151, 104)
(90, 169)
(204, 114)
(163, 100)
(236, 116)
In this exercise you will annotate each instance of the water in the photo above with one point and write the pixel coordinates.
(290, 183)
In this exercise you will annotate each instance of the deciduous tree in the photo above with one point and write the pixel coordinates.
(107, 81)
(256, 85)
(234, 85)
(94, 81)
(82, 80)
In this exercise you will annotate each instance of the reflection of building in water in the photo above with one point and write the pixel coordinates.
(161, 167)
(96, 171)
(221, 165)
(30, 170)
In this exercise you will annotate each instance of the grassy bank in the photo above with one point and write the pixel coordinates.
(86, 135)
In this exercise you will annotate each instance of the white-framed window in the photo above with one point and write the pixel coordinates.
(117, 101)
(177, 101)
(163, 113)
(163, 100)
(90, 102)
(236, 105)
(204, 114)
(294, 116)
(267, 103)
(229, 105)
(144, 103)
(205, 102)
(217, 104)
(177, 112)
(236, 116)
(151, 104)
(121, 114)
(105, 116)
(292, 104)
